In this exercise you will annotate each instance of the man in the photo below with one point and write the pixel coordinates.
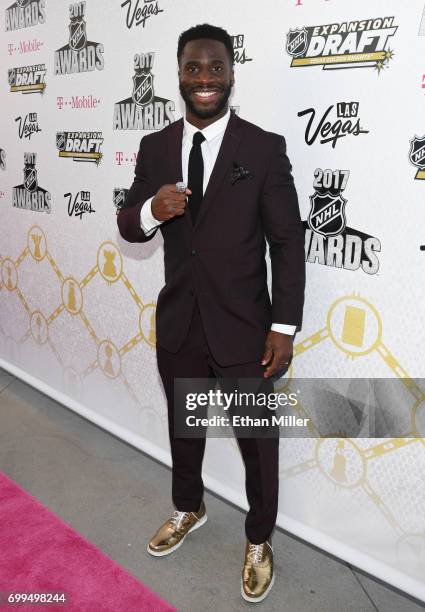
(214, 317)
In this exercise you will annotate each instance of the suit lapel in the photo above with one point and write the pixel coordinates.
(225, 157)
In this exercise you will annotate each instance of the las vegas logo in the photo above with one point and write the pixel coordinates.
(417, 156)
(346, 123)
(328, 239)
(239, 52)
(27, 79)
(80, 54)
(30, 195)
(143, 110)
(353, 44)
(80, 146)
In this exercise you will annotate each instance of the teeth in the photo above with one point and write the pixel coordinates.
(205, 94)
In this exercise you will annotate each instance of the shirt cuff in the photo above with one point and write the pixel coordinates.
(284, 329)
(147, 221)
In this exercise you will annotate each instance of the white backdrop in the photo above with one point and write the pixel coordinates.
(77, 302)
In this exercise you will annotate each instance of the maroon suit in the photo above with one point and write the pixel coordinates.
(215, 298)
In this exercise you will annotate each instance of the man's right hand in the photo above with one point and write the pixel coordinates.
(169, 203)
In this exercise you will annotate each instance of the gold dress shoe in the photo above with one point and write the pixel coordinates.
(173, 532)
(257, 574)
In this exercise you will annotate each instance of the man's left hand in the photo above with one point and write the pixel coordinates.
(278, 352)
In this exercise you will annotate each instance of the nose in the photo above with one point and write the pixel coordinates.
(204, 76)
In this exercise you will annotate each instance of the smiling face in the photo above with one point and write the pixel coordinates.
(205, 79)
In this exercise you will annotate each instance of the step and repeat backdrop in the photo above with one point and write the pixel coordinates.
(344, 82)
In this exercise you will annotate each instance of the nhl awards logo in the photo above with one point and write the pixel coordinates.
(80, 54)
(30, 195)
(328, 239)
(353, 44)
(80, 146)
(24, 14)
(327, 214)
(27, 79)
(119, 196)
(143, 110)
(417, 156)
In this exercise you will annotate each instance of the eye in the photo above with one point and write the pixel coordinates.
(191, 68)
(218, 68)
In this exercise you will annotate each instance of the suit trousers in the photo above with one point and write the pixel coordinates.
(260, 455)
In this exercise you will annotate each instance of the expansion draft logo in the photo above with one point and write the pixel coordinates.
(143, 110)
(328, 240)
(24, 14)
(80, 54)
(347, 122)
(351, 44)
(417, 156)
(30, 195)
(80, 146)
(27, 79)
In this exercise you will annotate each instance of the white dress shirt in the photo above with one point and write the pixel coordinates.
(210, 147)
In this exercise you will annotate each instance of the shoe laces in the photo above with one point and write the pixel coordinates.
(255, 552)
(178, 518)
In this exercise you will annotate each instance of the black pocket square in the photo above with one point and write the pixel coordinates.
(239, 173)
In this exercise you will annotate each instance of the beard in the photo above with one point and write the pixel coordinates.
(206, 113)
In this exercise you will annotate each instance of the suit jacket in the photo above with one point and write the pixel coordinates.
(221, 259)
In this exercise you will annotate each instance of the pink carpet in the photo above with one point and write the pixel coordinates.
(40, 553)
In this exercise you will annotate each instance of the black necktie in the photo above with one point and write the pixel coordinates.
(196, 175)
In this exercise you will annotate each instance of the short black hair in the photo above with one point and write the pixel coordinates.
(205, 30)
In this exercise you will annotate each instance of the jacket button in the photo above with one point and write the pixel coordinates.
(193, 252)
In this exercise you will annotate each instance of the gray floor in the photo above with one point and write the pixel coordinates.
(115, 496)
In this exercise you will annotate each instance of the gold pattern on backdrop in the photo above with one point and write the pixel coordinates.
(9, 274)
(36, 242)
(110, 267)
(72, 296)
(355, 328)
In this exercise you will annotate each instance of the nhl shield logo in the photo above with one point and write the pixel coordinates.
(60, 140)
(119, 196)
(142, 88)
(11, 76)
(417, 152)
(22, 3)
(327, 214)
(296, 42)
(30, 179)
(77, 34)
